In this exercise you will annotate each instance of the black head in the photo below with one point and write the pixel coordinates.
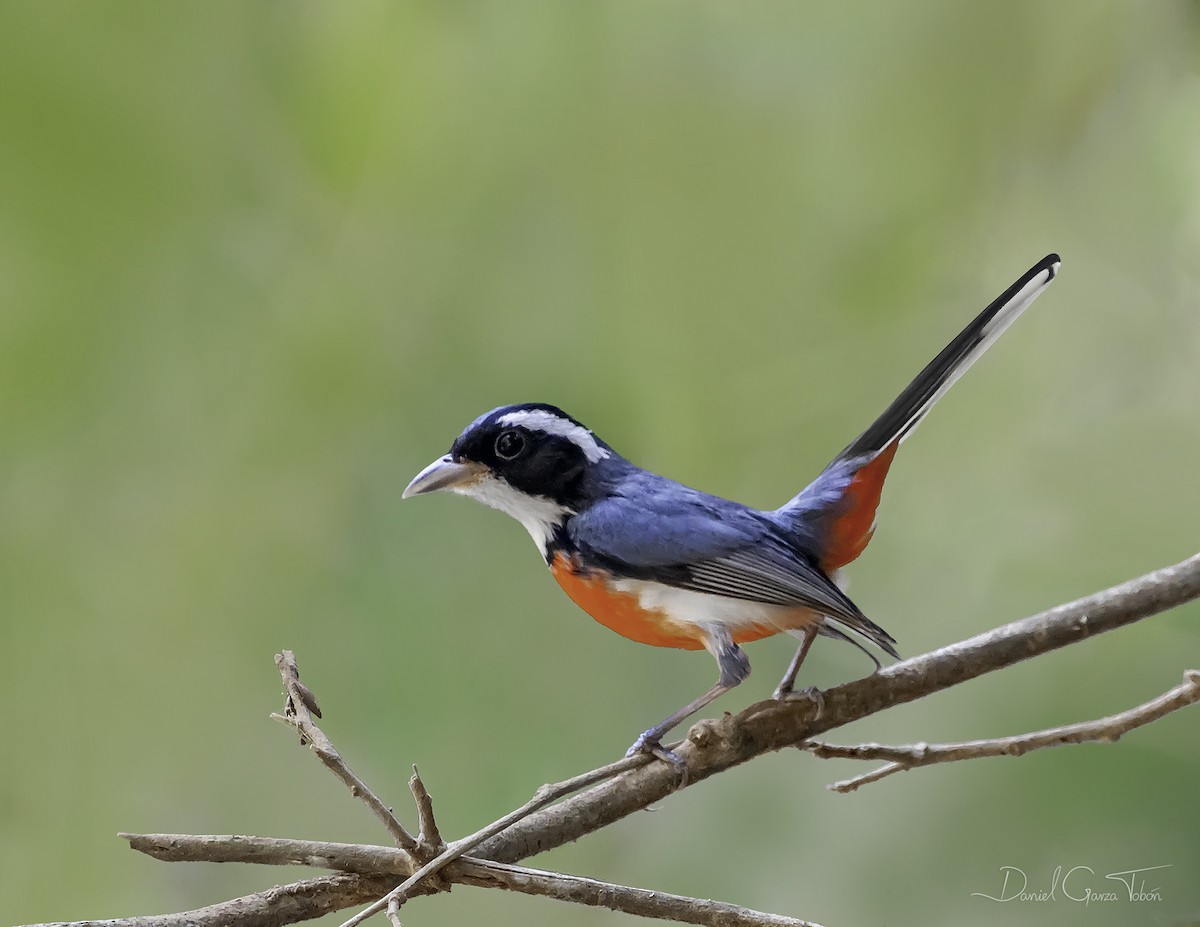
(536, 448)
(531, 461)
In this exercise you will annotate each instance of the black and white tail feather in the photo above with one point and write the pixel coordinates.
(901, 418)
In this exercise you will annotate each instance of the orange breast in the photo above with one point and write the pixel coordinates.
(622, 612)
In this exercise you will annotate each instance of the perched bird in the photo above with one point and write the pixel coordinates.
(664, 564)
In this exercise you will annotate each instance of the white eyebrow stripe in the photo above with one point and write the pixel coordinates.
(551, 424)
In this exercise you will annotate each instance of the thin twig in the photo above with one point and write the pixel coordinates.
(1102, 730)
(544, 795)
(639, 901)
(429, 838)
(298, 712)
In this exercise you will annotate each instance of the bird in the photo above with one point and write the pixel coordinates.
(664, 564)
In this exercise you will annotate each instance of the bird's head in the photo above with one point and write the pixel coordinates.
(531, 461)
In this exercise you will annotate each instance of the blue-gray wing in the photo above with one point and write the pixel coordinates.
(690, 540)
(667, 526)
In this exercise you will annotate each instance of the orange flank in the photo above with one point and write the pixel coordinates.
(853, 521)
(621, 611)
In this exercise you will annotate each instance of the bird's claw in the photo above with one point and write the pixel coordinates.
(647, 744)
(812, 693)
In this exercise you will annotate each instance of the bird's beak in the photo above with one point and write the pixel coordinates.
(445, 473)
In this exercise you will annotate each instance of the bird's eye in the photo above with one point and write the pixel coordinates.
(509, 444)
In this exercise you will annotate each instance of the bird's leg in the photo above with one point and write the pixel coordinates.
(735, 667)
(650, 741)
(784, 690)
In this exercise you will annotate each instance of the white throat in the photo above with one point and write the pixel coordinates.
(538, 514)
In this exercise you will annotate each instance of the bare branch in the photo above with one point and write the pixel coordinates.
(283, 904)
(640, 901)
(1103, 730)
(714, 746)
(300, 706)
(378, 860)
(362, 859)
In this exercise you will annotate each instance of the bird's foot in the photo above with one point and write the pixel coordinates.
(648, 743)
(812, 693)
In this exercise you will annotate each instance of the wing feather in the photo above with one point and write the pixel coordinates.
(780, 577)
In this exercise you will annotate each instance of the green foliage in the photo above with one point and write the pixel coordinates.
(260, 262)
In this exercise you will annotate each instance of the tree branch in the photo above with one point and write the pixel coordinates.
(622, 788)
(275, 907)
(1102, 730)
(377, 861)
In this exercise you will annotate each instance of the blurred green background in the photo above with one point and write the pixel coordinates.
(259, 263)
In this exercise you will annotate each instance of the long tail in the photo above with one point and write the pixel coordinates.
(904, 414)
(837, 510)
